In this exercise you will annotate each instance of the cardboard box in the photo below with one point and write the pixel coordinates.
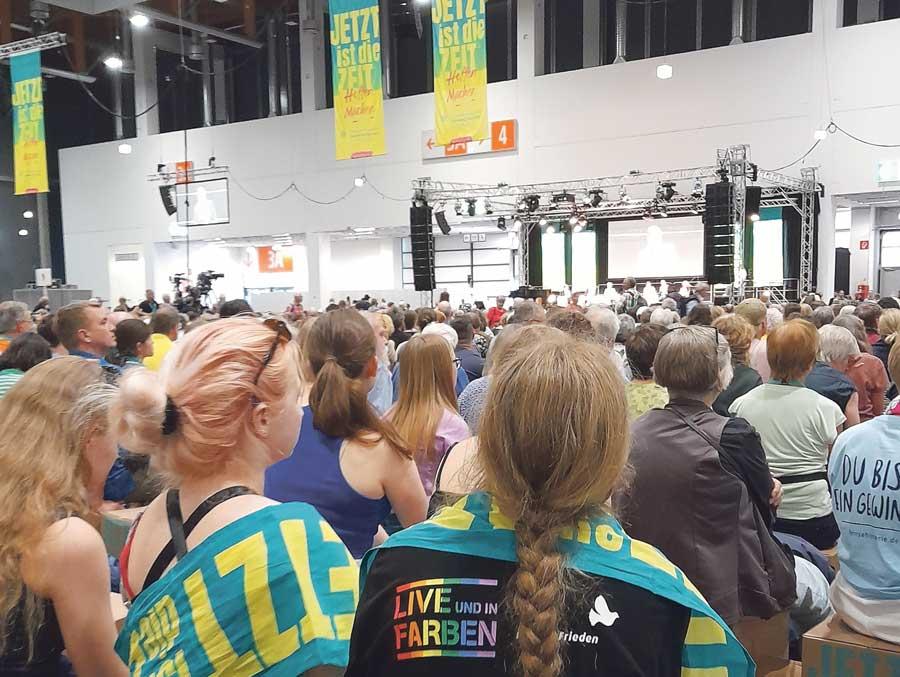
(778, 667)
(831, 649)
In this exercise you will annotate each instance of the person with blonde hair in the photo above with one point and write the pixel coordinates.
(351, 465)
(797, 427)
(762, 320)
(54, 575)
(740, 336)
(888, 330)
(532, 575)
(221, 579)
(425, 414)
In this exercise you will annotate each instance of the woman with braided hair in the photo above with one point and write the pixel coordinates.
(531, 575)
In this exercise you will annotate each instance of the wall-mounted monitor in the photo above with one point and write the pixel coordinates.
(202, 203)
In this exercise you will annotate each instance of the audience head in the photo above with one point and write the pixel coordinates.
(889, 325)
(165, 321)
(445, 308)
(117, 316)
(774, 318)
(693, 362)
(465, 333)
(445, 331)
(498, 347)
(501, 301)
(340, 352)
(699, 315)
(894, 362)
(409, 320)
(739, 333)
(836, 346)
(226, 397)
(575, 324)
(47, 330)
(150, 294)
(848, 309)
(444, 297)
(235, 308)
(551, 392)
(701, 290)
(15, 318)
(822, 316)
(133, 339)
(669, 304)
(889, 303)
(640, 349)
(857, 328)
(792, 349)
(790, 309)
(424, 317)
(626, 326)
(756, 313)
(628, 283)
(605, 323)
(24, 352)
(869, 313)
(84, 326)
(663, 317)
(528, 312)
(645, 313)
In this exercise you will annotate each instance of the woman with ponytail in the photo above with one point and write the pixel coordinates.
(221, 579)
(532, 576)
(352, 466)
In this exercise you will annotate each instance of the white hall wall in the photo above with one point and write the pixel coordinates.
(595, 122)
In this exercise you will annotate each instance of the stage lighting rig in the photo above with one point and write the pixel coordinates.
(560, 198)
(668, 190)
(596, 197)
(542, 222)
(471, 203)
(501, 223)
(623, 194)
(458, 208)
(573, 220)
(440, 215)
(532, 203)
(697, 193)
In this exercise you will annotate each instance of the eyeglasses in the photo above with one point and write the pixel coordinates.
(282, 333)
(457, 362)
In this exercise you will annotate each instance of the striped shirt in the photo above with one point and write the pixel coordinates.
(9, 378)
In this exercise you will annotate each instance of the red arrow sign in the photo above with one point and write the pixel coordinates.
(430, 143)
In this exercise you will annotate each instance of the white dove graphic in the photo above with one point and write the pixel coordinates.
(601, 613)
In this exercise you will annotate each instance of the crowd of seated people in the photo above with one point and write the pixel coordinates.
(376, 489)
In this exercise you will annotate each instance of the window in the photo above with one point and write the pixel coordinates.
(842, 228)
(673, 27)
(563, 26)
(411, 50)
(868, 11)
(780, 18)
(715, 24)
(501, 41)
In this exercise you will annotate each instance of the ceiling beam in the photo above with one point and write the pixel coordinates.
(199, 28)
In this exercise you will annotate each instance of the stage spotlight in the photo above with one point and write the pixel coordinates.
(139, 20)
(488, 207)
(754, 171)
(212, 161)
(623, 194)
(698, 188)
(28, 214)
(523, 205)
(550, 230)
(113, 62)
(754, 217)
(597, 196)
(441, 217)
(582, 222)
(573, 220)
(458, 208)
(160, 168)
(471, 203)
(501, 223)
(359, 181)
(542, 222)
(532, 203)
(578, 228)
(668, 190)
(563, 197)
(664, 71)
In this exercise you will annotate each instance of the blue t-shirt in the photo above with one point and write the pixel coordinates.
(865, 485)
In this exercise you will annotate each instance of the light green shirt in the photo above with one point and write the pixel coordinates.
(644, 396)
(9, 378)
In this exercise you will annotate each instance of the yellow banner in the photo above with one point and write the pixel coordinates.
(29, 146)
(460, 71)
(356, 75)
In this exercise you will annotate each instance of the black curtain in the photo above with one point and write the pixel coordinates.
(535, 258)
(602, 230)
(841, 269)
(791, 250)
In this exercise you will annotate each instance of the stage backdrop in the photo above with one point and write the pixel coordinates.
(667, 248)
(460, 71)
(30, 148)
(356, 75)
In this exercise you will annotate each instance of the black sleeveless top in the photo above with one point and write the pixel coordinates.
(47, 658)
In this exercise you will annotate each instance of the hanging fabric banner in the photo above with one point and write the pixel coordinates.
(356, 75)
(29, 146)
(460, 71)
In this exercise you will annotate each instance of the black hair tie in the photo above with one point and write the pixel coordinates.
(170, 418)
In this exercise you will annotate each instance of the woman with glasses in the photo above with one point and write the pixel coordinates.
(221, 579)
(351, 465)
(702, 492)
(798, 427)
(426, 413)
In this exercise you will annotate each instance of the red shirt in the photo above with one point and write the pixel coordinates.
(871, 380)
(494, 315)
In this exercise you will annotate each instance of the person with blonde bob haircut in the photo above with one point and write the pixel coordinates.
(740, 336)
(350, 464)
(702, 492)
(532, 575)
(426, 413)
(798, 427)
(203, 589)
(54, 575)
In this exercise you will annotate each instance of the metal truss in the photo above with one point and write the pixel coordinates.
(597, 199)
(34, 44)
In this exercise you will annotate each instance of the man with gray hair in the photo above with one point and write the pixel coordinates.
(822, 316)
(15, 319)
(447, 310)
(528, 312)
(606, 326)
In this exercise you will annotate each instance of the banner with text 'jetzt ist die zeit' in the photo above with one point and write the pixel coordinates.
(356, 75)
(29, 145)
(460, 71)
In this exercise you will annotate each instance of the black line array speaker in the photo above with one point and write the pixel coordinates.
(754, 200)
(718, 235)
(422, 238)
